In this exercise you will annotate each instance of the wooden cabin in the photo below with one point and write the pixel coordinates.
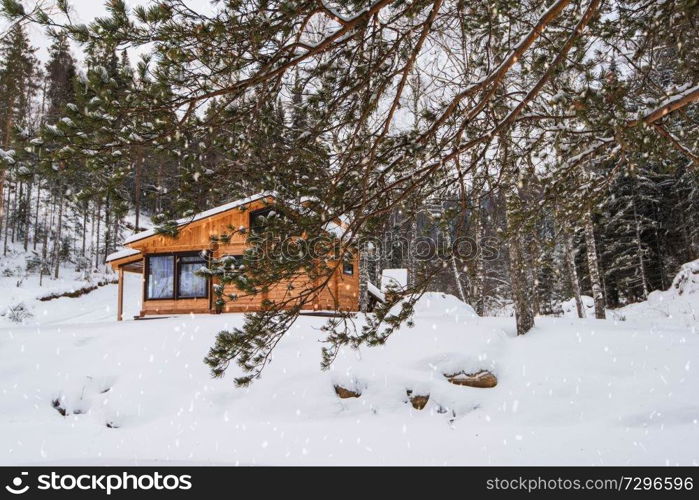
(168, 264)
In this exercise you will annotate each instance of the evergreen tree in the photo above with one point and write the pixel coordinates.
(627, 223)
(18, 71)
(60, 78)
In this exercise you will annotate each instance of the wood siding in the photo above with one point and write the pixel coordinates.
(342, 292)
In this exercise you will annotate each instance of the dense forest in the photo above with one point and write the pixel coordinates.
(514, 154)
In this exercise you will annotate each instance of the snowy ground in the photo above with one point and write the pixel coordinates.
(677, 306)
(569, 392)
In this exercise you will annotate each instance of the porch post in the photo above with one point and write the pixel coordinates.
(120, 296)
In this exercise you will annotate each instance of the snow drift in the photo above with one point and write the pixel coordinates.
(679, 304)
(447, 339)
(137, 392)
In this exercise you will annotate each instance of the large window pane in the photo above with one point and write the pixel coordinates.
(161, 277)
(189, 284)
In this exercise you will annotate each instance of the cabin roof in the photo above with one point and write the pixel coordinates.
(373, 290)
(203, 215)
(337, 229)
(121, 254)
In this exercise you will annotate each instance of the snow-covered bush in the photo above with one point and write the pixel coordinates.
(10, 272)
(687, 279)
(35, 265)
(18, 313)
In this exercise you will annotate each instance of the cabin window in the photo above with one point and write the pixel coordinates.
(161, 276)
(173, 276)
(258, 219)
(348, 268)
(189, 284)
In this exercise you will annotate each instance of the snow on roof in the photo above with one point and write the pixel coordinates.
(340, 229)
(120, 254)
(372, 289)
(203, 215)
(394, 278)
(337, 229)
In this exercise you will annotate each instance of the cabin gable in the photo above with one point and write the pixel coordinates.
(197, 235)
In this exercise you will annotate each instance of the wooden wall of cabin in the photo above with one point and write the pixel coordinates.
(347, 288)
(179, 306)
(342, 292)
(197, 235)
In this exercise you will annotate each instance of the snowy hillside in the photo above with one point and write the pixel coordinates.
(22, 296)
(678, 305)
(31, 299)
(570, 392)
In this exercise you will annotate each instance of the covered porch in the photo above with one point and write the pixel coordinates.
(128, 260)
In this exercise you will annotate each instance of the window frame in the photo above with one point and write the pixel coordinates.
(344, 268)
(176, 276)
(146, 276)
(178, 270)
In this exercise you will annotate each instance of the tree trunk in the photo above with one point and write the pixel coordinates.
(36, 218)
(17, 210)
(107, 228)
(59, 235)
(115, 237)
(573, 272)
(48, 223)
(84, 229)
(6, 144)
(97, 243)
(524, 314)
(410, 254)
(593, 265)
(532, 266)
(479, 282)
(521, 289)
(455, 267)
(26, 216)
(137, 188)
(159, 181)
(3, 212)
(7, 221)
(363, 280)
(661, 255)
(639, 252)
